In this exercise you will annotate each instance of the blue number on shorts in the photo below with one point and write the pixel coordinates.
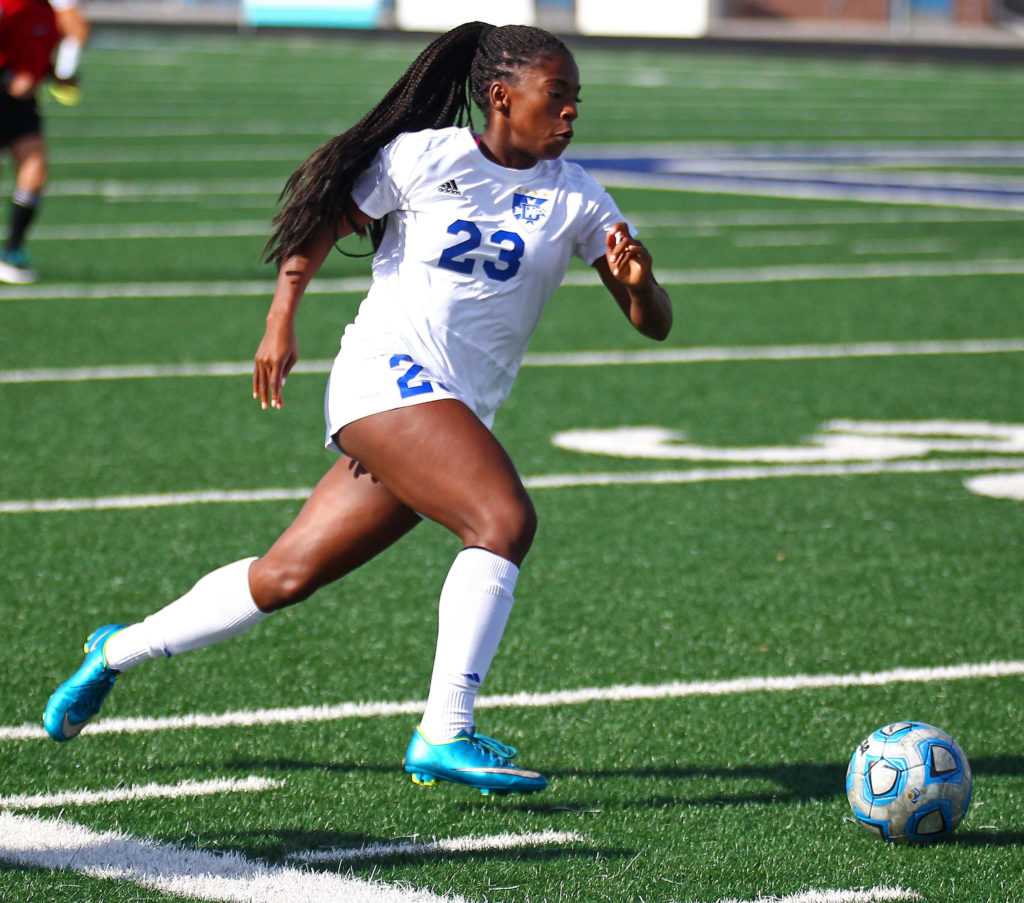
(449, 257)
(405, 387)
(454, 258)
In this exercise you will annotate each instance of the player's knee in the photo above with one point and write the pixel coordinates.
(276, 583)
(506, 528)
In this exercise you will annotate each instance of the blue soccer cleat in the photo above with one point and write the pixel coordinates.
(470, 759)
(76, 701)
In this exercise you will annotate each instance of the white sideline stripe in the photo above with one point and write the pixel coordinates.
(739, 219)
(131, 231)
(550, 359)
(449, 845)
(734, 276)
(618, 693)
(251, 784)
(551, 481)
(34, 842)
(861, 895)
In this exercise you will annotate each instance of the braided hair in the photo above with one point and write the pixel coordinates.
(436, 91)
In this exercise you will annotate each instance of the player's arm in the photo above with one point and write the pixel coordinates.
(74, 31)
(278, 350)
(21, 84)
(626, 269)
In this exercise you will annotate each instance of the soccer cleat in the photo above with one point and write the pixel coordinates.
(76, 701)
(470, 759)
(66, 93)
(14, 268)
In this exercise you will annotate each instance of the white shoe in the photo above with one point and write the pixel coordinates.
(14, 269)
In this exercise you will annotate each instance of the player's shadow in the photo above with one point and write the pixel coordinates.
(283, 765)
(282, 845)
(801, 781)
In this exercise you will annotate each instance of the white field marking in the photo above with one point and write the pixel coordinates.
(579, 278)
(251, 784)
(240, 289)
(551, 359)
(860, 895)
(837, 440)
(172, 188)
(618, 693)
(682, 222)
(793, 239)
(147, 154)
(998, 486)
(33, 842)
(134, 231)
(549, 481)
(906, 246)
(429, 848)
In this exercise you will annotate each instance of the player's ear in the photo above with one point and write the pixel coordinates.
(499, 97)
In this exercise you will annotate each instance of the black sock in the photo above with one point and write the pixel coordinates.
(24, 205)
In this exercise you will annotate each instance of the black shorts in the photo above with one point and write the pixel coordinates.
(19, 117)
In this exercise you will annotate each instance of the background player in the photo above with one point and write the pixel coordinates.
(472, 234)
(28, 36)
(30, 30)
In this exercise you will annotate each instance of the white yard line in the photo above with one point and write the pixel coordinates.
(32, 842)
(251, 784)
(860, 895)
(551, 359)
(724, 276)
(134, 231)
(620, 693)
(430, 848)
(548, 481)
(681, 222)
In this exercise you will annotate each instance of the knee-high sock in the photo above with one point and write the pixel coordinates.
(24, 205)
(475, 604)
(218, 607)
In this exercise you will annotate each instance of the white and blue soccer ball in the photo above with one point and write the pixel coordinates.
(909, 781)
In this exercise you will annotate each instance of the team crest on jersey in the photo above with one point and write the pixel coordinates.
(529, 208)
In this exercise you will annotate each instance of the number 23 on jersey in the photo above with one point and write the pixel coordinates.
(457, 257)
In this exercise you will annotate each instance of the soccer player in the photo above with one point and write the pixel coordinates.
(28, 35)
(472, 233)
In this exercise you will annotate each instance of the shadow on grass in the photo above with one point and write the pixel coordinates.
(281, 846)
(801, 781)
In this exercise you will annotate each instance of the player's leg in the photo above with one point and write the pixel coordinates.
(29, 155)
(347, 520)
(440, 460)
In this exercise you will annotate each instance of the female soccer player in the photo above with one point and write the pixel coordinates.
(472, 234)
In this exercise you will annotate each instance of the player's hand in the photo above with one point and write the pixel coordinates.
(277, 354)
(629, 261)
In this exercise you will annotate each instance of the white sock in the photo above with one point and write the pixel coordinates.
(475, 604)
(218, 607)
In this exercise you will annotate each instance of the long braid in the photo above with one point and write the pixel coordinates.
(436, 91)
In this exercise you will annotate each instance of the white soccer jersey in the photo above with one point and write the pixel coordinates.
(471, 253)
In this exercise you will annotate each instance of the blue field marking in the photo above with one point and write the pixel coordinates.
(818, 172)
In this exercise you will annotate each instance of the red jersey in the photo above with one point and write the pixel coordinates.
(28, 35)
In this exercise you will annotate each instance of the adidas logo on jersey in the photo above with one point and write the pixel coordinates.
(449, 187)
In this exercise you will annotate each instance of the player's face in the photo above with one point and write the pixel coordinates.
(542, 105)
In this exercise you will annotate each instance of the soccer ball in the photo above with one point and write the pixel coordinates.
(909, 781)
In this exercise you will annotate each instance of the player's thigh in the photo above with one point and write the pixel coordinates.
(348, 519)
(440, 460)
(29, 154)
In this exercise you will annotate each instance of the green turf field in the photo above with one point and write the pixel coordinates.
(843, 383)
